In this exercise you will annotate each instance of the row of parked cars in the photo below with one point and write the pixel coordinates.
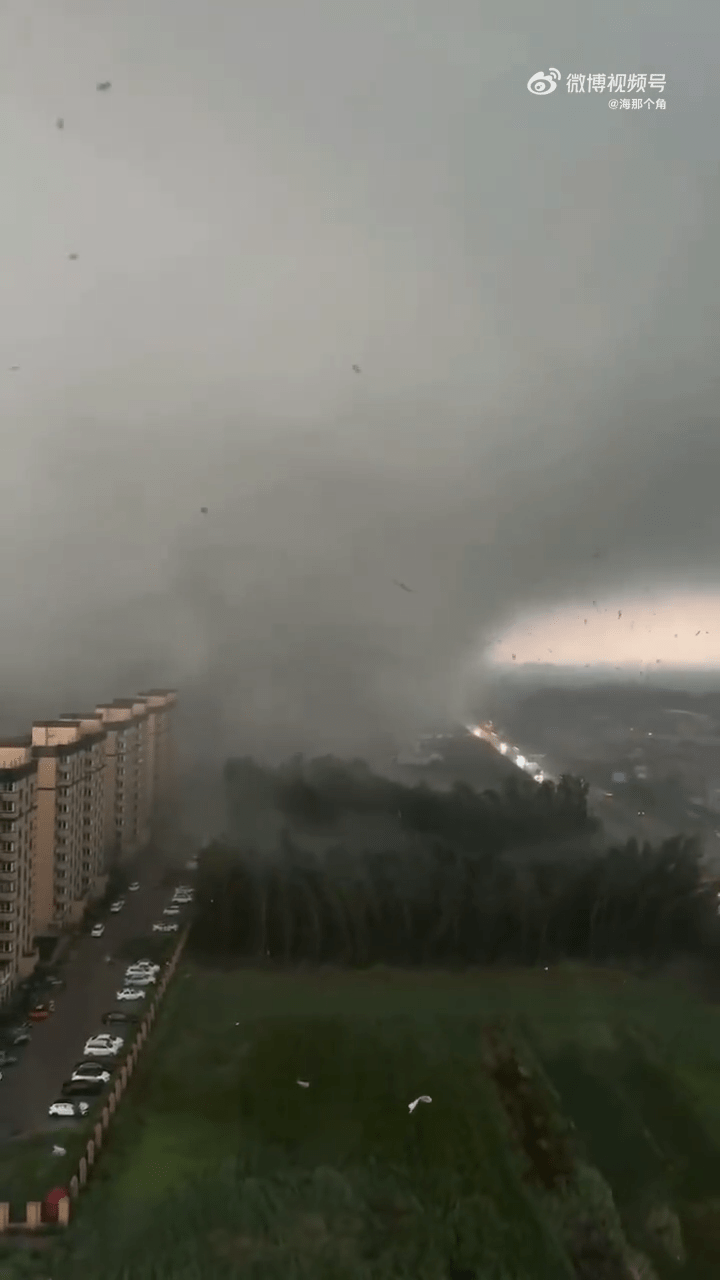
(92, 1075)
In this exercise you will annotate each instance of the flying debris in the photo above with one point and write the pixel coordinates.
(697, 633)
(585, 621)
(356, 368)
(204, 510)
(619, 613)
(596, 555)
(402, 586)
(412, 1105)
(73, 257)
(14, 368)
(513, 657)
(104, 85)
(304, 1084)
(59, 123)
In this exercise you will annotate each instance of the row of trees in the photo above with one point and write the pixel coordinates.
(317, 795)
(439, 902)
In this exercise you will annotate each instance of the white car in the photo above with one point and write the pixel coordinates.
(133, 888)
(165, 928)
(68, 1108)
(97, 931)
(91, 1071)
(140, 977)
(171, 911)
(117, 906)
(182, 897)
(103, 1046)
(146, 964)
(130, 993)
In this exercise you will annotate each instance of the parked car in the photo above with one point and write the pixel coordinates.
(81, 1088)
(171, 911)
(91, 1071)
(64, 1108)
(16, 1038)
(165, 928)
(148, 964)
(103, 1045)
(130, 993)
(42, 1011)
(97, 930)
(118, 1015)
(133, 888)
(19, 1034)
(7, 1059)
(140, 978)
(117, 906)
(54, 980)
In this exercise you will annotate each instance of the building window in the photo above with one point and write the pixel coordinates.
(7, 846)
(7, 806)
(7, 946)
(7, 867)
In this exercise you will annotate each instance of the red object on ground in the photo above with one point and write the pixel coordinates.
(51, 1201)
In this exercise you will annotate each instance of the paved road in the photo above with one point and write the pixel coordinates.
(28, 1088)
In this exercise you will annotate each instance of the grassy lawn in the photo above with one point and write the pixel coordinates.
(220, 1163)
(28, 1169)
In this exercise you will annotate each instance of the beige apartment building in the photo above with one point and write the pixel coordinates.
(70, 830)
(78, 794)
(18, 774)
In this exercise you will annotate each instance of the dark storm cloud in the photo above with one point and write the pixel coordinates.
(530, 288)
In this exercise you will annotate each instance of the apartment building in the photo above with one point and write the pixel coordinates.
(18, 792)
(139, 766)
(70, 828)
(127, 812)
(79, 793)
(161, 759)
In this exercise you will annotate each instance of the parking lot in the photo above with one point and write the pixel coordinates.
(56, 1045)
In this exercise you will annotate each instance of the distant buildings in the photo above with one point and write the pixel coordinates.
(78, 794)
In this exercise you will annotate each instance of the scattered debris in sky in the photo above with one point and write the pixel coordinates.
(59, 123)
(14, 368)
(423, 1098)
(73, 257)
(204, 510)
(356, 368)
(103, 86)
(513, 657)
(304, 1084)
(402, 585)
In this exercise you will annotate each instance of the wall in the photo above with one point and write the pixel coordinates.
(33, 1213)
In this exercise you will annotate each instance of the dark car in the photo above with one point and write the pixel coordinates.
(17, 1035)
(82, 1088)
(118, 1015)
(7, 1059)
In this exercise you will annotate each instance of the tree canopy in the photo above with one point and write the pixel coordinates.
(360, 869)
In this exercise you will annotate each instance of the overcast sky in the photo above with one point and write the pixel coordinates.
(275, 190)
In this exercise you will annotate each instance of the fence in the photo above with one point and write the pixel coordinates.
(35, 1217)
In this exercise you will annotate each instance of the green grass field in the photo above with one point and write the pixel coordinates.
(220, 1164)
